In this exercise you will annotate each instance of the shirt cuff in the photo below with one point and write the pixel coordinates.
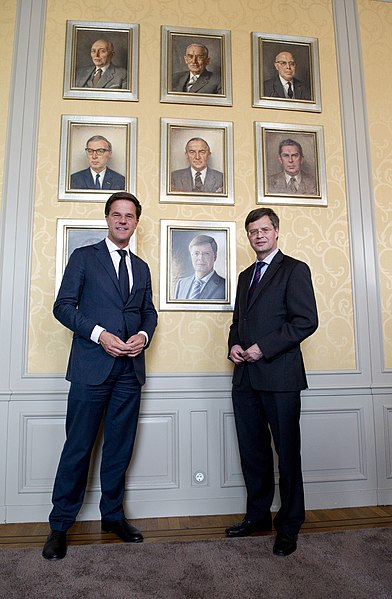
(97, 330)
(146, 336)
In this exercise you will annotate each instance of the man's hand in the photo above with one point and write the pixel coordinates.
(253, 353)
(135, 345)
(236, 354)
(113, 345)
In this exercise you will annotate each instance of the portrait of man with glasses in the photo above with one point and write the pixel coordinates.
(98, 175)
(284, 84)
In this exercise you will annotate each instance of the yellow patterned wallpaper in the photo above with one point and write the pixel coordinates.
(191, 341)
(7, 26)
(376, 34)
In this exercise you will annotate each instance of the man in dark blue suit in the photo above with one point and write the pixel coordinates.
(275, 310)
(105, 298)
(98, 176)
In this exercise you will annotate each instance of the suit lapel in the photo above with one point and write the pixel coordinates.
(104, 258)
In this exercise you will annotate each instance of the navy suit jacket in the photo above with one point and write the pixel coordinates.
(207, 83)
(181, 180)
(84, 180)
(274, 89)
(113, 78)
(281, 314)
(90, 295)
(214, 289)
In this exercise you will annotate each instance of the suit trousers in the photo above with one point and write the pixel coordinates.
(257, 414)
(117, 402)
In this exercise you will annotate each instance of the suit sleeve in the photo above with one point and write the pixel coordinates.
(149, 315)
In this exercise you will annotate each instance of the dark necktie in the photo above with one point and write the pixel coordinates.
(256, 279)
(289, 90)
(123, 275)
(198, 182)
(293, 185)
(97, 185)
(97, 76)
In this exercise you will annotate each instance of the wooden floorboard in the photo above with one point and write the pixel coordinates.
(190, 528)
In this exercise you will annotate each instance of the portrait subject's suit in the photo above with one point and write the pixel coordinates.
(214, 289)
(182, 180)
(274, 89)
(90, 295)
(281, 313)
(277, 184)
(207, 83)
(84, 180)
(113, 78)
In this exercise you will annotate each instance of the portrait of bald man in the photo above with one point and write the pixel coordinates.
(284, 84)
(197, 78)
(102, 72)
(198, 177)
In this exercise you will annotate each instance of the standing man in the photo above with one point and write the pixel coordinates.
(98, 176)
(285, 85)
(197, 79)
(198, 177)
(205, 283)
(291, 179)
(275, 310)
(105, 298)
(103, 74)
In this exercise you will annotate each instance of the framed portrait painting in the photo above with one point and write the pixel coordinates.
(197, 265)
(101, 61)
(73, 233)
(196, 66)
(197, 162)
(290, 164)
(286, 72)
(97, 157)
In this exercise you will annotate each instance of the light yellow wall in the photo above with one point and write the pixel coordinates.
(7, 26)
(376, 34)
(186, 341)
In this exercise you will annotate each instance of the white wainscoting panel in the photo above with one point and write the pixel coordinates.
(383, 419)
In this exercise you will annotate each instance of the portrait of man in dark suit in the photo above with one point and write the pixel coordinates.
(98, 176)
(198, 177)
(102, 73)
(285, 84)
(204, 283)
(196, 78)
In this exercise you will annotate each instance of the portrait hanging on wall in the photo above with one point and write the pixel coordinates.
(290, 164)
(197, 265)
(74, 233)
(196, 66)
(197, 162)
(286, 72)
(101, 61)
(97, 157)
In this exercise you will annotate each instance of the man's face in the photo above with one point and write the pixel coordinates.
(122, 222)
(203, 259)
(100, 54)
(198, 154)
(262, 236)
(285, 65)
(196, 59)
(97, 161)
(291, 160)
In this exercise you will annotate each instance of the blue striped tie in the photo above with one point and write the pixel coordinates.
(256, 279)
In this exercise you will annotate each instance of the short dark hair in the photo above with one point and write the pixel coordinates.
(290, 142)
(123, 195)
(259, 213)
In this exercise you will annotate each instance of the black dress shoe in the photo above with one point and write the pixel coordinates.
(248, 527)
(284, 545)
(124, 530)
(56, 545)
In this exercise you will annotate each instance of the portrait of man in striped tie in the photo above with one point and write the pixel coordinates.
(198, 177)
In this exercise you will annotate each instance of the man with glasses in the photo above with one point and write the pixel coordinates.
(197, 79)
(291, 179)
(98, 176)
(285, 85)
(275, 310)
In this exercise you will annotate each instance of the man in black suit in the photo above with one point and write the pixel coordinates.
(105, 298)
(198, 177)
(98, 176)
(275, 310)
(285, 85)
(197, 79)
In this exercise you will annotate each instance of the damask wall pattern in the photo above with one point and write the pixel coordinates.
(191, 341)
(376, 26)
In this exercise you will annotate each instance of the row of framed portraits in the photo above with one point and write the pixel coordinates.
(124, 40)
(176, 269)
(176, 134)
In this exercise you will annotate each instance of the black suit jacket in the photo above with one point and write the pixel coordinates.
(281, 314)
(84, 180)
(273, 88)
(90, 295)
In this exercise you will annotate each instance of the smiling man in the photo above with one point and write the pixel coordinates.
(198, 177)
(104, 74)
(105, 298)
(197, 79)
(98, 176)
(285, 85)
(291, 180)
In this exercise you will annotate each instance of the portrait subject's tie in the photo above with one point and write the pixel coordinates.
(198, 182)
(290, 92)
(196, 289)
(191, 81)
(256, 279)
(97, 76)
(123, 275)
(97, 184)
(293, 185)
